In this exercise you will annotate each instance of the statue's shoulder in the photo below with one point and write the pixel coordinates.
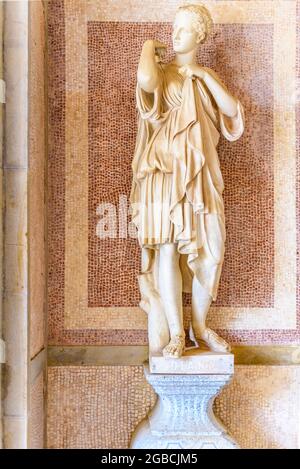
(210, 70)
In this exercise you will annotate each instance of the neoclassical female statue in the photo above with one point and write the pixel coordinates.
(177, 185)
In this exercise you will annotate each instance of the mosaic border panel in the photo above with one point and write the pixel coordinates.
(261, 325)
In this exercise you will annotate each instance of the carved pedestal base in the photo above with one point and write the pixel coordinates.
(183, 415)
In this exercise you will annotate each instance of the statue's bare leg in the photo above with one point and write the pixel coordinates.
(170, 288)
(201, 301)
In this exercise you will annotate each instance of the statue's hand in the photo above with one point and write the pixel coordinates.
(160, 48)
(157, 46)
(192, 70)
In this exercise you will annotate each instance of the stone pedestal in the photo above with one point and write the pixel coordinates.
(183, 417)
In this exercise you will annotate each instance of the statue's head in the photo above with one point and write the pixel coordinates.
(191, 27)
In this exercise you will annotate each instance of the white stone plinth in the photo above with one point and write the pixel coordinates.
(183, 417)
(193, 362)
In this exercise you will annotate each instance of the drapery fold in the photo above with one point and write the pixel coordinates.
(176, 165)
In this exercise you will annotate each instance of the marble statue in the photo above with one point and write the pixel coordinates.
(177, 187)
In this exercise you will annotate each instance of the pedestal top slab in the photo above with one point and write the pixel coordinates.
(194, 361)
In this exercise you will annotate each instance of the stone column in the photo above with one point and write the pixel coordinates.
(15, 404)
(24, 233)
(183, 416)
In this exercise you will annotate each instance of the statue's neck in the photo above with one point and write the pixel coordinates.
(186, 59)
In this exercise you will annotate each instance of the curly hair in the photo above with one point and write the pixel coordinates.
(202, 19)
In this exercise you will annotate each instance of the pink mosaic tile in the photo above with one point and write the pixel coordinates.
(113, 53)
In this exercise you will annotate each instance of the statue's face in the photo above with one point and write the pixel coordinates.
(185, 37)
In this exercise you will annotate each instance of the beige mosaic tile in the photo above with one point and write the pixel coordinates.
(99, 407)
(261, 407)
(91, 407)
(36, 416)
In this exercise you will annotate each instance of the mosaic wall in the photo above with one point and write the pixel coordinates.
(93, 51)
(37, 414)
(99, 407)
(93, 54)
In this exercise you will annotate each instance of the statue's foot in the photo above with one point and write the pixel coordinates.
(175, 347)
(213, 341)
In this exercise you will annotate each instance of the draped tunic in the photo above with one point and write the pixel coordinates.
(177, 183)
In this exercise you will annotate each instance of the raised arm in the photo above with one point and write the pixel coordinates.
(224, 99)
(147, 74)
